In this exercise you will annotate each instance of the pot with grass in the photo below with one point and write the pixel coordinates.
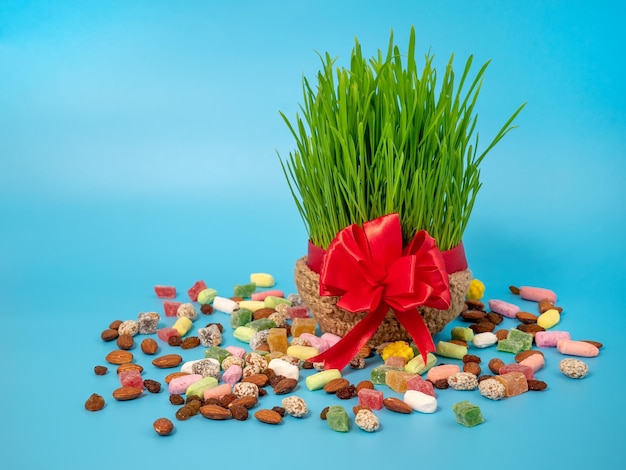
(383, 144)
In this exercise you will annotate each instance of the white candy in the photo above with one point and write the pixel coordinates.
(188, 366)
(284, 368)
(484, 340)
(224, 304)
(420, 401)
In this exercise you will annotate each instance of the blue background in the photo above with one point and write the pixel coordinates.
(138, 146)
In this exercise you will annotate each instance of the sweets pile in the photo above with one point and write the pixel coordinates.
(275, 338)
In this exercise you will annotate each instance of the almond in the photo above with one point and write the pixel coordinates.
(268, 416)
(365, 352)
(473, 315)
(129, 366)
(365, 384)
(495, 364)
(460, 342)
(262, 313)
(474, 304)
(127, 393)
(125, 341)
(597, 344)
(336, 384)
(173, 375)
(260, 380)
(119, 356)
(167, 361)
(524, 354)
(247, 401)
(396, 405)
(215, 412)
(526, 317)
(285, 386)
(109, 334)
(149, 346)
(472, 368)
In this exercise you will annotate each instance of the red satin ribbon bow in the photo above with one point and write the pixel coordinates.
(368, 268)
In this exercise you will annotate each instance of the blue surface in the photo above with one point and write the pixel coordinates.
(138, 147)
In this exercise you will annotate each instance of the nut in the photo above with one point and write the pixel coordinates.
(474, 304)
(247, 401)
(163, 426)
(597, 344)
(472, 368)
(127, 393)
(129, 366)
(119, 356)
(109, 334)
(524, 354)
(502, 334)
(495, 364)
(483, 326)
(396, 405)
(115, 324)
(285, 386)
(268, 416)
(149, 346)
(365, 351)
(260, 380)
(335, 385)
(167, 361)
(473, 315)
(526, 317)
(100, 370)
(125, 341)
(262, 313)
(173, 375)
(215, 412)
(365, 384)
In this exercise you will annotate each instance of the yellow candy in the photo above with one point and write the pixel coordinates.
(476, 290)
(252, 305)
(277, 340)
(262, 279)
(303, 325)
(398, 348)
(182, 325)
(302, 352)
(549, 318)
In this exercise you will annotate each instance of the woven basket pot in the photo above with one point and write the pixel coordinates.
(332, 319)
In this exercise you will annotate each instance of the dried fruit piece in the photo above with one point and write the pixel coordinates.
(472, 368)
(537, 385)
(152, 385)
(100, 370)
(94, 403)
(119, 356)
(268, 416)
(163, 426)
(190, 342)
(238, 412)
(176, 400)
(127, 393)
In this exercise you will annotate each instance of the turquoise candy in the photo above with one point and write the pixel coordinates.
(467, 414)
(244, 290)
(216, 352)
(379, 374)
(524, 338)
(337, 418)
(261, 324)
(510, 346)
(240, 317)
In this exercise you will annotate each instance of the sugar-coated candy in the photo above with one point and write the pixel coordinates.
(236, 351)
(296, 299)
(166, 333)
(396, 361)
(216, 352)
(232, 360)
(534, 361)
(467, 414)
(240, 317)
(526, 370)
(484, 340)
(515, 383)
(300, 311)
(232, 374)
(266, 293)
(246, 389)
(510, 345)
(194, 290)
(367, 420)
(463, 381)
(371, 398)
(261, 324)
(549, 339)
(131, 378)
(187, 310)
(491, 388)
(128, 327)
(262, 279)
(280, 318)
(210, 336)
(244, 290)
(379, 373)
(303, 353)
(317, 342)
(182, 325)
(252, 305)
(165, 292)
(549, 318)
(318, 380)
(573, 368)
(397, 348)
(420, 401)
(442, 371)
(272, 301)
(256, 360)
(303, 325)
(147, 322)
(206, 296)
(170, 308)
(224, 304)
(277, 340)
(451, 350)
(536, 294)
(476, 290)
(259, 340)
(179, 385)
(577, 348)
(337, 418)
(208, 367)
(396, 380)
(294, 406)
(330, 339)
(198, 388)
(462, 333)
(284, 368)
(218, 392)
(417, 382)
(417, 366)
(504, 308)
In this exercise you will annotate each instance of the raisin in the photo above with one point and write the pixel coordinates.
(176, 400)
(152, 385)
(346, 393)
(100, 370)
(175, 340)
(94, 403)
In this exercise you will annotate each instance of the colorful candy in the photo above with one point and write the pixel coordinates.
(318, 380)
(442, 372)
(195, 289)
(549, 318)
(337, 418)
(244, 290)
(484, 340)
(467, 414)
(262, 279)
(182, 325)
(577, 348)
(302, 352)
(573, 368)
(515, 383)
(417, 366)
(420, 401)
(179, 385)
(262, 295)
(272, 301)
(451, 350)
(284, 368)
(303, 325)
(549, 339)
(536, 294)
(165, 292)
(170, 308)
(504, 308)
(371, 398)
(200, 386)
(224, 304)
(206, 296)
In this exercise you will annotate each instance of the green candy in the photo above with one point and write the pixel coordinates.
(462, 333)
(218, 353)
(271, 301)
(451, 350)
(243, 333)
(206, 296)
(510, 346)
(318, 380)
(467, 414)
(417, 366)
(337, 418)
(524, 338)
(261, 324)
(198, 388)
(240, 317)
(244, 290)
(379, 374)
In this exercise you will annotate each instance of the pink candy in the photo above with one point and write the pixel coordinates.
(535, 362)
(536, 294)
(442, 372)
(548, 339)
(232, 375)
(165, 292)
(195, 290)
(577, 348)
(236, 351)
(330, 338)
(131, 378)
(166, 333)
(526, 370)
(373, 399)
(218, 392)
(317, 342)
(418, 383)
(504, 308)
(179, 385)
(267, 293)
(298, 312)
(171, 308)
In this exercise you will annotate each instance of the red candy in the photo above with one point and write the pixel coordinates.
(165, 333)
(526, 370)
(195, 290)
(165, 292)
(373, 399)
(418, 383)
(171, 308)
(131, 378)
(298, 312)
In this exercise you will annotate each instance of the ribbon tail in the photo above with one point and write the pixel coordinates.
(415, 325)
(338, 356)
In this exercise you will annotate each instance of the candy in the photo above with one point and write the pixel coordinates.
(463, 381)
(442, 372)
(271, 301)
(148, 322)
(210, 336)
(515, 383)
(186, 310)
(536, 294)
(549, 318)
(337, 418)
(330, 338)
(218, 392)
(573, 368)
(535, 362)
(549, 339)
(510, 346)
(451, 350)
(179, 385)
(199, 387)
(577, 348)
(467, 414)
(274, 292)
(259, 340)
(252, 305)
(318, 380)
(188, 366)
(206, 296)
(261, 324)
(302, 352)
(165, 292)
(300, 311)
(128, 327)
(170, 308)
(193, 291)
(484, 340)
(462, 333)
(398, 348)
(491, 388)
(417, 382)
(244, 290)
(277, 340)
(395, 361)
(419, 401)
(262, 279)
(243, 333)
(231, 361)
(224, 304)
(504, 308)
(284, 368)
(303, 325)
(164, 334)
(294, 406)
(379, 373)
(217, 353)
(232, 375)
(236, 351)
(525, 338)
(417, 366)
(396, 380)
(208, 367)
(366, 420)
(240, 317)
(318, 343)
(182, 325)
(246, 389)
(526, 370)
(371, 398)
(131, 378)
(476, 290)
